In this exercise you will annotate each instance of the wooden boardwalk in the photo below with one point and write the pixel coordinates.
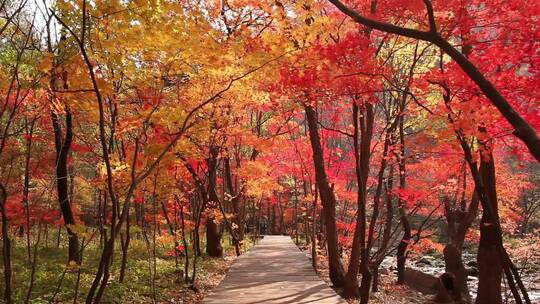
(273, 271)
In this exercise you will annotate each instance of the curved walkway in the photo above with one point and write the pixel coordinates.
(273, 271)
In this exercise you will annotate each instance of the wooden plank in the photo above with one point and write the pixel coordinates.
(273, 271)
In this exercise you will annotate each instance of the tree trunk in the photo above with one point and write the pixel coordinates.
(328, 200)
(124, 243)
(314, 232)
(238, 218)
(63, 146)
(359, 259)
(489, 250)
(26, 189)
(453, 250)
(6, 246)
(402, 249)
(454, 265)
(184, 240)
(213, 233)
(213, 238)
(404, 220)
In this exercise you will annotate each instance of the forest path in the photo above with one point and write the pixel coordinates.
(273, 271)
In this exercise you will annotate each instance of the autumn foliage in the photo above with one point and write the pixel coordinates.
(363, 129)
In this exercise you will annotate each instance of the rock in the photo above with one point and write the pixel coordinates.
(389, 262)
(472, 271)
(421, 281)
(439, 264)
(446, 290)
(426, 260)
(472, 264)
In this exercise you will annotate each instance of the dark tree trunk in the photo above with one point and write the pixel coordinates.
(359, 259)
(6, 246)
(63, 145)
(33, 266)
(26, 189)
(313, 232)
(402, 249)
(213, 233)
(213, 238)
(184, 240)
(172, 227)
(453, 250)
(379, 255)
(197, 214)
(238, 218)
(404, 220)
(124, 243)
(328, 200)
(454, 265)
(489, 250)
(387, 233)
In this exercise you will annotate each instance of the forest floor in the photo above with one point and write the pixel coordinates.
(56, 283)
(525, 256)
(389, 292)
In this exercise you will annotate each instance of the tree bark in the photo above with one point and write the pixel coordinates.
(26, 188)
(359, 259)
(62, 146)
(238, 218)
(328, 200)
(453, 250)
(124, 244)
(489, 250)
(6, 246)
(213, 233)
(404, 220)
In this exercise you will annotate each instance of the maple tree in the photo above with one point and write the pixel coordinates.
(191, 128)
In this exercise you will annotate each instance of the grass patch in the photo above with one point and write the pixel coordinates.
(55, 281)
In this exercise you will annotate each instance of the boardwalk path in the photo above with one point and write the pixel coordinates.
(274, 271)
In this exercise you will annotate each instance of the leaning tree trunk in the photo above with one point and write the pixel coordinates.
(63, 146)
(328, 200)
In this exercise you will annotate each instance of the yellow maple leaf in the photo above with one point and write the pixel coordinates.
(46, 63)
